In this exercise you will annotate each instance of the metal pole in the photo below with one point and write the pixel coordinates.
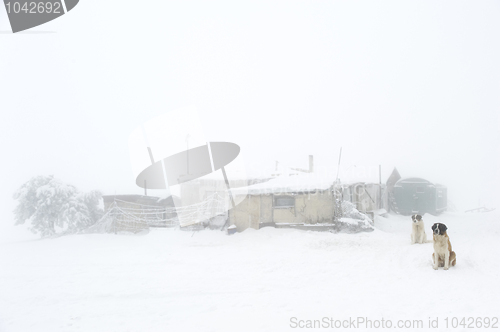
(338, 167)
(380, 186)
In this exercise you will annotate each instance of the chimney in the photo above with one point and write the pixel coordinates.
(311, 164)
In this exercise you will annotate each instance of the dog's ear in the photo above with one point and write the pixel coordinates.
(443, 228)
(413, 217)
(418, 217)
(434, 227)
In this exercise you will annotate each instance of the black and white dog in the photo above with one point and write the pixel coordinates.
(443, 256)
(417, 230)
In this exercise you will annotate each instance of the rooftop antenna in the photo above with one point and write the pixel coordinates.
(338, 167)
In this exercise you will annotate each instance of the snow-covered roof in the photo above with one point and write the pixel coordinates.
(359, 173)
(288, 181)
(417, 180)
(130, 198)
(289, 184)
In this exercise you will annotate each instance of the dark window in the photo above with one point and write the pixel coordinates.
(284, 201)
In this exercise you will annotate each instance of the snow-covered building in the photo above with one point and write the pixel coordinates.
(417, 195)
(362, 186)
(303, 197)
(134, 201)
(292, 196)
(367, 197)
(299, 199)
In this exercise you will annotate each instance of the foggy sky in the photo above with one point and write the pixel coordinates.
(412, 85)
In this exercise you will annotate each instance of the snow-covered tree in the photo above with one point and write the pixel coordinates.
(82, 210)
(50, 205)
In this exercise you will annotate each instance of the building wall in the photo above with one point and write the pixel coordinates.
(309, 209)
(266, 208)
(195, 191)
(366, 196)
(246, 214)
(420, 196)
(441, 198)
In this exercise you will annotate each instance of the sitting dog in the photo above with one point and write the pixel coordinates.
(443, 256)
(417, 230)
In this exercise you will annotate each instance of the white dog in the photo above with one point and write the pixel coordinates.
(417, 230)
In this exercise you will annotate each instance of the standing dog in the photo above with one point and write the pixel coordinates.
(443, 255)
(418, 230)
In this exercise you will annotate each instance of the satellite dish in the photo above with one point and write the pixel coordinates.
(183, 155)
(188, 165)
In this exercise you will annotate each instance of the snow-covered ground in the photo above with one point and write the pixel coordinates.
(171, 280)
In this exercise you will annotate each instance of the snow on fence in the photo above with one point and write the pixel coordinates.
(125, 216)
